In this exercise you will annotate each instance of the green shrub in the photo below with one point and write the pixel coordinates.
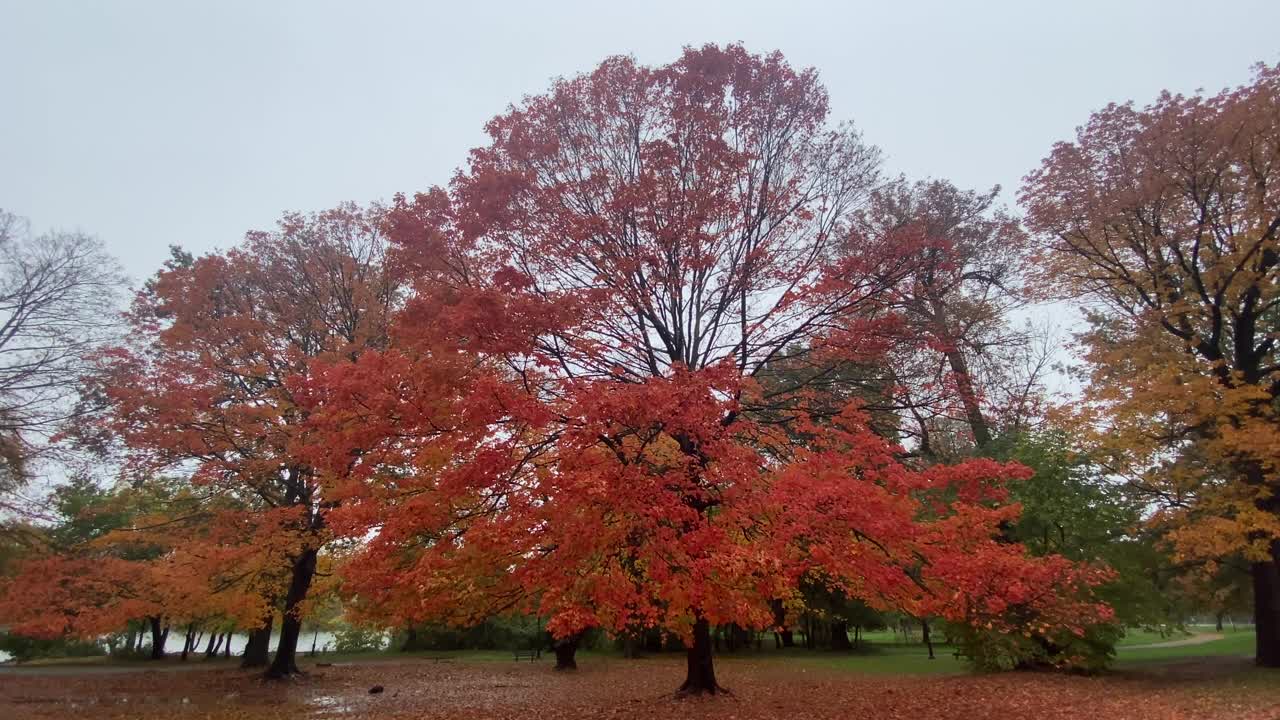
(23, 648)
(353, 639)
(989, 651)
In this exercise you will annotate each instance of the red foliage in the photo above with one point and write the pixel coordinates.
(574, 422)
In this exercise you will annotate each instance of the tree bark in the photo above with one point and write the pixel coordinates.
(189, 642)
(924, 635)
(1218, 622)
(157, 638)
(566, 650)
(215, 642)
(701, 674)
(285, 662)
(1266, 608)
(226, 647)
(410, 639)
(257, 651)
(840, 635)
(783, 636)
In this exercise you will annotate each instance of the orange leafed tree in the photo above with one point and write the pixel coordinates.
(1167, 220)
(619, 266)
(157, 557)
(221, 345)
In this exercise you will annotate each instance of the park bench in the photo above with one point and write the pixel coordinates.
(530, 654)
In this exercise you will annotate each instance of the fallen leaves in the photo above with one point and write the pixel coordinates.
(606, 688)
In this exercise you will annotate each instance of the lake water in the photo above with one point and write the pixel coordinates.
(173, 644)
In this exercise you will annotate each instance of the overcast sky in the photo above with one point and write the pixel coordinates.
(155, 123)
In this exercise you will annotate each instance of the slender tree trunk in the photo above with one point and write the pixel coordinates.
(566, 649)
(969, 399)
(226, 647)
(783, 636)
(840, 635)
(924, 635)
(701, 673)
(286, 661)
(215, 644)
(257, 650)
(1218, 622)
(189, 642)
(629, 646)
(157, 638)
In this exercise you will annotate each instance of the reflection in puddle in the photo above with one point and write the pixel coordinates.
(328, 705)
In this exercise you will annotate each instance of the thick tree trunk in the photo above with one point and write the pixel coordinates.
(257, 650)
(157, 638)
(701, 673)
(630, 648)
(840, 635)
(566, 650)
(1218, 622)
(924, 634)
(286, 660)
(410, 639)
(1266, 608)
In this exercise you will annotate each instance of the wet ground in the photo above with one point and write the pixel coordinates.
(639, 689)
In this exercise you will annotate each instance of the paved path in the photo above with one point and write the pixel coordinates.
(1196, 639)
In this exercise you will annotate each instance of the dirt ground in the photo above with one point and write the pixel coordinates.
(638, 689)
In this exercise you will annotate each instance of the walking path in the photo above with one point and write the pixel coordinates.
(1196, 639)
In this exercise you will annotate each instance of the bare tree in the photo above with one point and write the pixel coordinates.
(58, 302)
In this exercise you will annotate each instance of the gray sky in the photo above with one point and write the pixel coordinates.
(151, 123)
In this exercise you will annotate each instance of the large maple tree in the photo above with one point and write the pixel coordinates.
(1166, 219)
(613, 274)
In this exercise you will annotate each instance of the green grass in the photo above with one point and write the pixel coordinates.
(1138, 636)
(870, 659)
(1238, 643)
(879, 654)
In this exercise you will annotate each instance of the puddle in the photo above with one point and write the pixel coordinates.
(328, 705)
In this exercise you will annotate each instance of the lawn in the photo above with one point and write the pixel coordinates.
(1206, 681)
(1238, 643)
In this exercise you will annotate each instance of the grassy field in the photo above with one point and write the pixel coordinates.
(1234, 643)
(881, 653)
